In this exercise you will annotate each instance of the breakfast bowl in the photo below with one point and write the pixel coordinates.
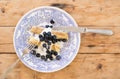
(42, 16)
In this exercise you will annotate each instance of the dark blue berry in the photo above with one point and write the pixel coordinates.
(47, 56)
(44, 33)
(36, 47)
(47, 51)
(40, 36)
(47, 26)
(44, 45)
(52, 51)
(42, 39)
(51, 58)
(55, 53)
(51, 26)
(37, 55)
(49, 38)
(46, 40)
(43, 57)
(49, 43)
(48, 47)
(64, 40)
(33, 52)
(58, 57)
(58, 39)
(49, 33)
(53, 41)
(54, 37)
(52, 21)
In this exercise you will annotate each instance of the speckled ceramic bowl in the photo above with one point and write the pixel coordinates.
(36, 17)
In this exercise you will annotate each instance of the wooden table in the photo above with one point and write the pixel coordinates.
(99, 55)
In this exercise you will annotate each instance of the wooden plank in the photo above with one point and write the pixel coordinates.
(85, 66)
(6, 35)
(90, 43)
(7, 48)
(19, 72)
(97, 12)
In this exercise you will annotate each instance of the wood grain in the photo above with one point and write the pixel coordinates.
(98, 57)
(97, 12)
(20, 71)
(90, 43)
(85, 66)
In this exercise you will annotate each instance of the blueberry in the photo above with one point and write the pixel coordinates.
(42, 39)
(48, 47)
(47, 26)
(51, 26)
(52, 21)
(51, 58)
(58, 39)
(52, 51)
(36, 47)
(49, 43)
(43, 57)
(55, 53)
(53, 41)
(37, 55)
(44, 33)
(64, 40)
(47, 51)
(44, 45)
(33, 52)
(40, 36)
(46, 40)
(58, 57)
(49, 33)
(54, 37)
(47, 56)
(49, 38)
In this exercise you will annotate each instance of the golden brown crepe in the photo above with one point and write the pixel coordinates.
(60, 35)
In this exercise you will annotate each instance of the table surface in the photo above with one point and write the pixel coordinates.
(99, 55)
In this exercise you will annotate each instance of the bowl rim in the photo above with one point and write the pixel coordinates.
(76, 25)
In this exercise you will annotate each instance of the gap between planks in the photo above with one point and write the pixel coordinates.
(84, 66)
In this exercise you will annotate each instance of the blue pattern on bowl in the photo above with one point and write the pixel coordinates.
(37, 17)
